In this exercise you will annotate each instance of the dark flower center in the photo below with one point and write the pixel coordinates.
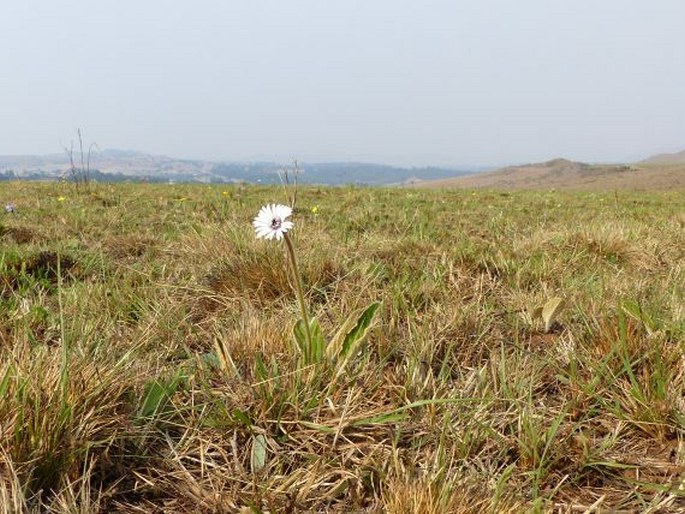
(275, 223)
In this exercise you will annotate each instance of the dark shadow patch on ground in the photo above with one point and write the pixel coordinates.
(20, 235)
(43, 268)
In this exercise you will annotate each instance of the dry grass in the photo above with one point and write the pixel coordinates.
(147, 362)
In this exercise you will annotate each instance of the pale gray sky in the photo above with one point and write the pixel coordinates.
(397, 81)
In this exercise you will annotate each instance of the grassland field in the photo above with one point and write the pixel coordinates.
(148, 364)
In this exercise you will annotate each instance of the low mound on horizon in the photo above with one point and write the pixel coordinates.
(565, 174)
(666, 158)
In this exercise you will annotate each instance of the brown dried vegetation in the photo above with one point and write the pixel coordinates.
(159, 373)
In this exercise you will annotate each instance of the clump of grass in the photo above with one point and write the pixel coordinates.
(53, 429)
(129, 247)
(256, 275)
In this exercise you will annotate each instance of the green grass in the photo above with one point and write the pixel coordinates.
(147, 358)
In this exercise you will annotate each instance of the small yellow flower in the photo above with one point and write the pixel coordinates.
(315, 209)
(60, 199)
(225, 193)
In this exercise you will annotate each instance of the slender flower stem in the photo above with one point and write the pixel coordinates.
(300, 295)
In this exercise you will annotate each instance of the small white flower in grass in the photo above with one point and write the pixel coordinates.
(271, 222)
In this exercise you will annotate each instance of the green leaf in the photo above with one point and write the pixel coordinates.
(334, 348)
(321, 428)
(318, 343)
(343, 348)
(157, 396)
(240, 416)
(260, 368)
(382, 419)
(300, 336)
(258, 455)
(350, 332)
(635, 311)
(210, 359)
(318, 340)
(360, 330)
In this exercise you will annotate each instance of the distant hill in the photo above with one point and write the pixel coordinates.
(664, 171)
(566, 174)
(128, 165)
(666, 158)
(115, 164)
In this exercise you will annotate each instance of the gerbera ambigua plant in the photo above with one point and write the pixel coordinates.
(272, 222)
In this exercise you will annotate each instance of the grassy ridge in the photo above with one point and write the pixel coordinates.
(147, 361)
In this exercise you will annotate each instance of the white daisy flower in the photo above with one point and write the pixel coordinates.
(271, 221)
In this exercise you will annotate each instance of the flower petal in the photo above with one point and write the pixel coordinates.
(270, 222)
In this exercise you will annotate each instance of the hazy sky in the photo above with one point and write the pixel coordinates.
(396, 81)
